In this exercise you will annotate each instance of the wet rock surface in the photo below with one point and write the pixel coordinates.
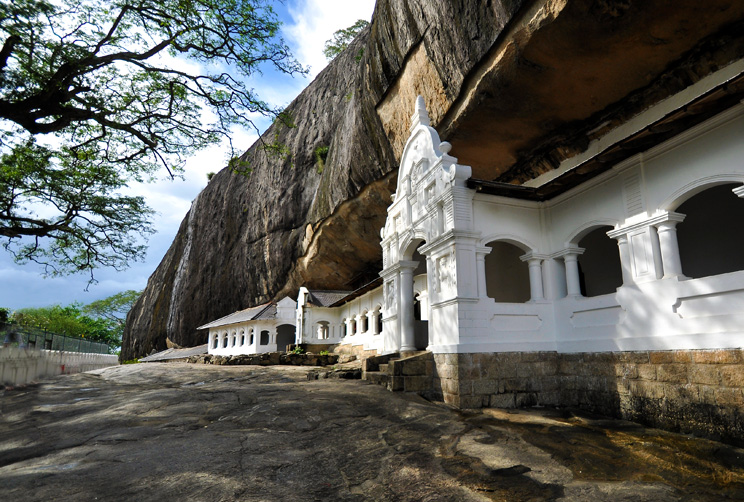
(176, 431)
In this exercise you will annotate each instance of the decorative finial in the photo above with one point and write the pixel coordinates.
(420, 103)
(445, 147)
(420, 117)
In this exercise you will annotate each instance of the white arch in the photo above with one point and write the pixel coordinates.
(518, 241)
(578, 233)
(407, 247)
(687, 191)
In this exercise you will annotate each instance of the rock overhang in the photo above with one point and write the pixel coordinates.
(563, 72)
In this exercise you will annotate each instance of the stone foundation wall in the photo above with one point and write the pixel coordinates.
(689, 391)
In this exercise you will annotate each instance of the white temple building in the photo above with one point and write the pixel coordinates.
(645, 256)
(648, 255)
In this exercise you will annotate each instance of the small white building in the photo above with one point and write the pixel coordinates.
(341, 317)
(264, 328)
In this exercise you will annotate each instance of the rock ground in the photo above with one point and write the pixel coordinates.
(176, 431)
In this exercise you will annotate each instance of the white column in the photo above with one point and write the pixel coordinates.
(348, 326)
(480, 269)
(406, 308)
(573, 286)
(534, 262)
(622, 244)
(371, 324)
(669, 249)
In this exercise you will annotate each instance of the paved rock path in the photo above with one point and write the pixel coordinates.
(174, 431)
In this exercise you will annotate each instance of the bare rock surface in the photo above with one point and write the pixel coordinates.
(176, 431)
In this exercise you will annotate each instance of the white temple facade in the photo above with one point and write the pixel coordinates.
(648, 255)
(645, 256)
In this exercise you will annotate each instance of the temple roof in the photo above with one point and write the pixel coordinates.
(264, 311)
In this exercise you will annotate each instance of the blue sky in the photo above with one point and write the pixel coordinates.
(307, 25)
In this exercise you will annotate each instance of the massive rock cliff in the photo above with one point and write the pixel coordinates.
(296, 220)
(516, 86)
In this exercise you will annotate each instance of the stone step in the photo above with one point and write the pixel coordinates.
(384, 368)
(377, 377)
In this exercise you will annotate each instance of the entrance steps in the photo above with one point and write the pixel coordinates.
(411, 373)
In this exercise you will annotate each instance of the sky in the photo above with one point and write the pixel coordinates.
(307, 25)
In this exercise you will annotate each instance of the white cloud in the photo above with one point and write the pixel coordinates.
(315, 21)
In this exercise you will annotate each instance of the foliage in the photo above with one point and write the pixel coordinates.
(130, 361)
(323, 353)
(68, 320)
(297, 350)
(100, 321)
(4, 316)
(119, 91)
(91, 225)
(342, 38)
(114, 308)
(320, 154)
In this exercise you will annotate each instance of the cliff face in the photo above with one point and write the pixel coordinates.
(296, 221)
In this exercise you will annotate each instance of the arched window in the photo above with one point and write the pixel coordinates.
(365, 322)
(600, 272)
(264, 338)
(215, 340)
(378, 320)
(343, 328)
(224, 340)
(322, 331)
(711, 239)
(353, 326)
(507, 276)
(253, 331)
(242, 337)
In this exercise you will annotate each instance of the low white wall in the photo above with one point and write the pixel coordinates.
(20, 366)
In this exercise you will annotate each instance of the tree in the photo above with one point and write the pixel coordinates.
(100, 321)
(342, 38)
(104, 84)
(69, 320)
(114, 308)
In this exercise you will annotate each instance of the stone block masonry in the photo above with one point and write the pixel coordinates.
(21, 366)
(699, 392)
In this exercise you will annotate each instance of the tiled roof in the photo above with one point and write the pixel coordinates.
(265, 311)
(322, 298)
(358, 292)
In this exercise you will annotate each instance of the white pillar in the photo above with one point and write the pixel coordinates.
(534, 262)
(371, 324)
(622, 244)
(348, 326)
(573, 285)
(480, 269)
(406, 309)
(669, 249)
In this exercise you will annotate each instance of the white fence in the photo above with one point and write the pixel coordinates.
(20, 366)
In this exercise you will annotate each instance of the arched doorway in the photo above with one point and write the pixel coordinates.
(285, 335)
(507, 276)
(420, 301)
(600, 271)
(711, 238)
